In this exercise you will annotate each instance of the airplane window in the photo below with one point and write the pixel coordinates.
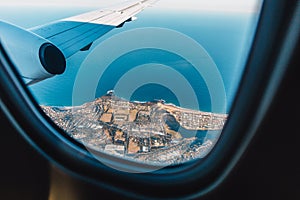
(149, 81)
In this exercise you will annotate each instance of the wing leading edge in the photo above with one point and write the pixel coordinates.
(77, 33)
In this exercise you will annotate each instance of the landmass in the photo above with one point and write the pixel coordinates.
(153, 132)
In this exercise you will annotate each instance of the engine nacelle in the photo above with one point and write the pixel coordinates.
(35, 57)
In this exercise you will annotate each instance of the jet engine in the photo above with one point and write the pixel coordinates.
(35, 57)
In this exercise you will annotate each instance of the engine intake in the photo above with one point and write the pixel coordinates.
(52, 59)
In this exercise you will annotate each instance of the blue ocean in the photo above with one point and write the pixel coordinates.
(226, 37)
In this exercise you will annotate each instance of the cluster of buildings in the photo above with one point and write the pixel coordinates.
(135, 129)
(197, 120)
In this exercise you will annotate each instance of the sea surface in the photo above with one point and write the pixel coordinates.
(226, 37)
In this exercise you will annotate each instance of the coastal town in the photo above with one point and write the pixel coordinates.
(152, 132)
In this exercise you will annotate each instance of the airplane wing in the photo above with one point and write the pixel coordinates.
(77, 33)
(41, 52)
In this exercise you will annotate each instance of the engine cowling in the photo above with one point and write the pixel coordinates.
(35, 57)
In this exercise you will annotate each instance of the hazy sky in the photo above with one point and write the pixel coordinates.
(214, 5)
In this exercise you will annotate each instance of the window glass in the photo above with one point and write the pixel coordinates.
(156, 89)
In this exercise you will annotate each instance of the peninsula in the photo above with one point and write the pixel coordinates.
(153, 131)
